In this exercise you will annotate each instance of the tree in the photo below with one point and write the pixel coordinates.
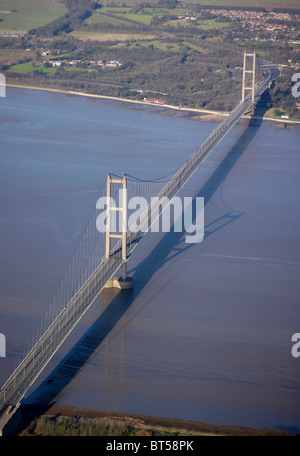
(167, 3)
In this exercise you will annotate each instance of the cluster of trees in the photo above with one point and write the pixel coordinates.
(167, 4)
(69, 426)
(291, 23)
(286, 10)
(121, 27)
(186, 76)
(279, 97)
(277, 52)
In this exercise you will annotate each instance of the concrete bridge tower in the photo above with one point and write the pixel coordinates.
(248, 69)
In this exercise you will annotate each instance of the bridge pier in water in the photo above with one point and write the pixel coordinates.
(123, 282)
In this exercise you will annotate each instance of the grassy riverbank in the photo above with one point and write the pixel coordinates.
(69, 421)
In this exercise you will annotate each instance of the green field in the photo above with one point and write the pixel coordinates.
(110, 36)
(29, 68)
(145, 16)
(124, 11)
(115, 9)
(101, 19)
(23, 15)
(163, 45)
(157, 44)
(207, 24)
(139, 17)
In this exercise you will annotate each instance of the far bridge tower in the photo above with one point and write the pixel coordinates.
(247, 83)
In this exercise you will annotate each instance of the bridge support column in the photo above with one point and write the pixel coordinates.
(122, 282)
(124, 229)
(250, 71)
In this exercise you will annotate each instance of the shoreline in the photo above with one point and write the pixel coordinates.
(123, 100)
(208, 115)
(141, 424)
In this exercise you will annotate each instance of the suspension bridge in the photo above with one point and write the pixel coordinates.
(99, 256)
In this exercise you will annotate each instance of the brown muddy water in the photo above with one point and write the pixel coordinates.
(206, 332)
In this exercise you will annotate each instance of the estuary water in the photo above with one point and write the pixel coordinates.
(206, 332)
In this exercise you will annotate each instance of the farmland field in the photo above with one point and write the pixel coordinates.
(164, 45)
(101, 19)
(28, 67)
(24, 15)
(105, 36)
(115, 9)
(202, 24)
(145, 16)
(11, 56)
(139, 17)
